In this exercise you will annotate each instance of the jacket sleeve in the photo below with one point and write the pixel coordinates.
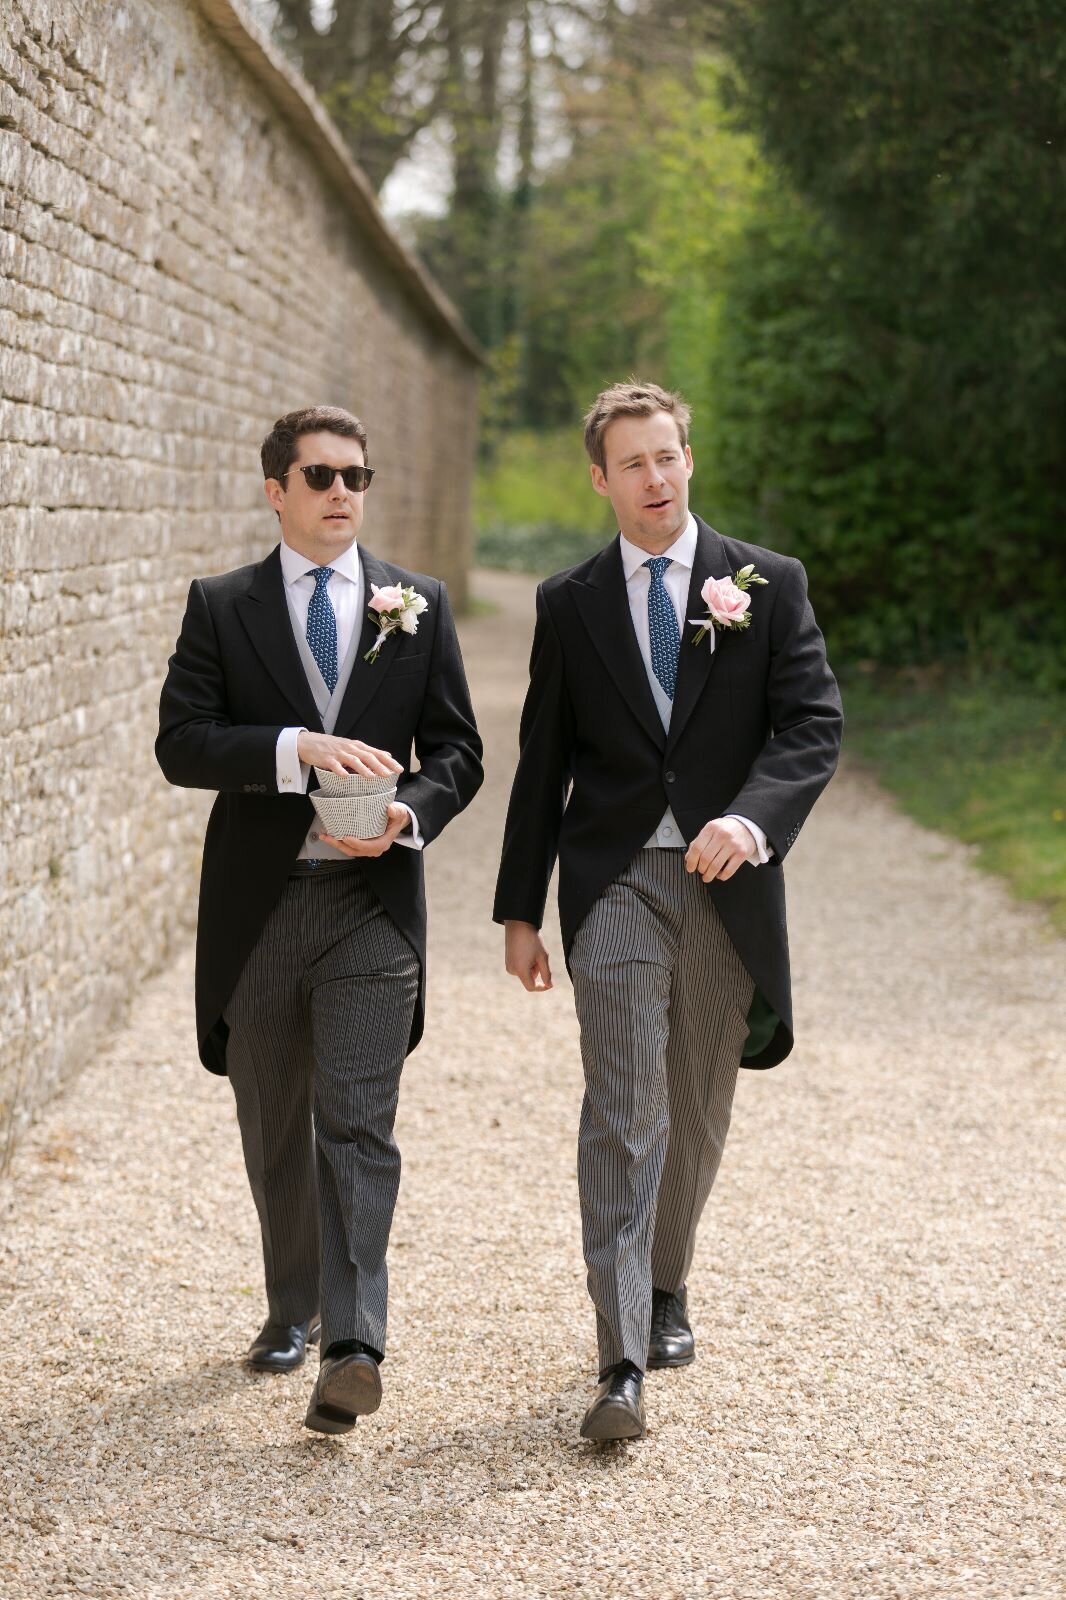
(806, 720)
(541, 781)
(446, 738)
(198, 747)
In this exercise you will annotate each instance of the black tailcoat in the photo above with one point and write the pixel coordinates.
(234, 682)
(755, 729)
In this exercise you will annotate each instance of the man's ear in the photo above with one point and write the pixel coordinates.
(599, 479)
(274, 493)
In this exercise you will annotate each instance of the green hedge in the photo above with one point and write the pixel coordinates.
(534, 505)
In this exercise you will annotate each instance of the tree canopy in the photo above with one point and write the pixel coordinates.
(836, 227)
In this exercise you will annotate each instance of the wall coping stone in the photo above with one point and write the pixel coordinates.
(306, 116)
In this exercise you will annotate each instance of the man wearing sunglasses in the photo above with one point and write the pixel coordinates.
(310, 957)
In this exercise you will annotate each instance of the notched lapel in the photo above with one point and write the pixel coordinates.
(265, 616)
(602, 601)
(367, 676)
(696, 661)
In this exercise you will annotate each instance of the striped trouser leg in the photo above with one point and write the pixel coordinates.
(364, 985)
(321, 1016)
(269, 1060)
(622, 962)
(709, 1004)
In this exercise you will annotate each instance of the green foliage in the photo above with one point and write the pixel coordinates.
(588, 315)
(983, 760)
(706, 184)
(534, 505)
(808, 449)
(901, 331)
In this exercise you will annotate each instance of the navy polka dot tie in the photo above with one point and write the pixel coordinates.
(322, 627)
(662, 625)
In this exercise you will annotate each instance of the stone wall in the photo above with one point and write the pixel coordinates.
(185, 252)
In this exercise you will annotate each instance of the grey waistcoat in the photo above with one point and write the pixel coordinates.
(329, 706)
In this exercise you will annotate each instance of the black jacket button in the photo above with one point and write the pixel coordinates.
(670, 776)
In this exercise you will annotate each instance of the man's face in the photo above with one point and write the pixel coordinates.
(646, 479)
(319, 522)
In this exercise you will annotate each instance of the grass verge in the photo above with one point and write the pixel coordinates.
(982, 761)
(534, 508)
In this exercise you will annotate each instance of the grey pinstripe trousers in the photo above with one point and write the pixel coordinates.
(319, 1025)
(662, 1001)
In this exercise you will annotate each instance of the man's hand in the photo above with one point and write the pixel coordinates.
(525, 956)
(346, 755)
(719, 849)
(399, 819)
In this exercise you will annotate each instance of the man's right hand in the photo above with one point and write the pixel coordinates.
(345, 755)
(525, 956)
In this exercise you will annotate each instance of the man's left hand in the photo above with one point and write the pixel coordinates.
(719, 849)
(399, 818)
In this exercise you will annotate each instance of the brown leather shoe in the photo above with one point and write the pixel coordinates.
(277, 1348)
(671, 1343)
(348, 1386)
(617, 1409)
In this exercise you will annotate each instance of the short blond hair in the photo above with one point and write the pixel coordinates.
(631, 399)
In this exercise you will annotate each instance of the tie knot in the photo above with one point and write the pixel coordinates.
(321, 575)
(657, 565)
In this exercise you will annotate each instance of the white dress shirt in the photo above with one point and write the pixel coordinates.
(345, 591)
(676, 580)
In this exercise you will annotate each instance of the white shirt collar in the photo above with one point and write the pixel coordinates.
(683, 550)
(294, 565)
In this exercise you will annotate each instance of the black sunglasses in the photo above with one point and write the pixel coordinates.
(321, 477)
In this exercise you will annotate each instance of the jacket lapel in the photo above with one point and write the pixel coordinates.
(603, 603)
(696, 661)
(367, 676)
(266, 619)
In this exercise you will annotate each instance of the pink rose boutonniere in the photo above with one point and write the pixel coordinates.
(394, 609)
(727, 603)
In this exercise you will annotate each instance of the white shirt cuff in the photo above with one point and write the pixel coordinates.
(762, 854)
(414, 839)
(292, 773)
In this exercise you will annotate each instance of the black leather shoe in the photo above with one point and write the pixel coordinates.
(348, 1386)
(281, 1349)
(671, 1343)
(617, 1409)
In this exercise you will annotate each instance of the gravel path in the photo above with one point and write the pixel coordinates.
(876, 1407)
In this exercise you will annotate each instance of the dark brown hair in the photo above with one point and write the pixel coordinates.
(278, 450)
(631, 399)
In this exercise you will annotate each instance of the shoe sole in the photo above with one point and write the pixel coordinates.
(353, 1390)
(657, 1365)
(266, 1365)
(612, 1422)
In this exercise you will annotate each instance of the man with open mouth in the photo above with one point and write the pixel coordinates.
(681, 720)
